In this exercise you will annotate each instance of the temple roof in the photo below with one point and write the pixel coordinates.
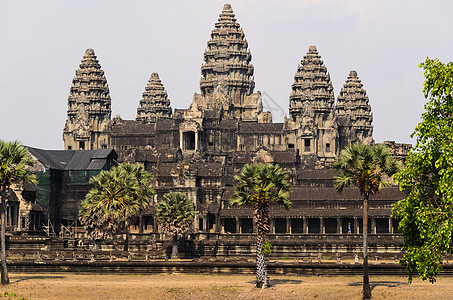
(353, 101)
(353, 109)
(312, 87)
(257, 128)
(155, 103)
(227, 58)
(89, 88)
(73, 159)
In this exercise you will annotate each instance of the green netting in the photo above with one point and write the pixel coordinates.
(78, 177)
(93, 173)
(43, 188)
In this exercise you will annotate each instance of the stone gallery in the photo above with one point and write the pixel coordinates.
(198, 150)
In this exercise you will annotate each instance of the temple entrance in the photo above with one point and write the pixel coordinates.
(188, 140)
(347, 225)
(246, 225)
(297, 225)
(382, 225)
(211, 222)
(280, 225)
(229, 225)
(314, 225)
(330, 225)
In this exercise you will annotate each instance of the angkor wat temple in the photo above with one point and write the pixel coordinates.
(198, 150)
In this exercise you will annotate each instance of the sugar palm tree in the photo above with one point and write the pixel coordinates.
(15, 163)
(175, 214)
(118, 195)
(258, 185)
(366, 167)
(143, 194)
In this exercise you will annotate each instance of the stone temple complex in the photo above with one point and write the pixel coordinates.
(198, 150)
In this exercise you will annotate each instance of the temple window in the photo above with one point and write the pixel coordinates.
(189, 140)
(327, 147)
(297, 225)
(246, 225)
(280, 225)
(307, 145)
(230, 225)
(313, 225)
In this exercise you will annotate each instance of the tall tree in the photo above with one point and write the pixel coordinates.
(143, 194)
(175, 213)
(426, 215)
(258, 185)
(15, 169)
(118, 196)
(365, 167)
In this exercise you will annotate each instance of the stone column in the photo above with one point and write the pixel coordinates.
(304, 225)
(322, 228)
(339, 227)
(196, 140)
(222, 226)
(155, 227)
(373, 225)
(238, 228)
(288, 226)
(390, 225)
(181, 142)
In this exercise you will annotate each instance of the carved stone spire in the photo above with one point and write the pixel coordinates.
(311, 109)
(354, 115)
(312, 89)
(155, 103)
(89, 107)
(227, 60)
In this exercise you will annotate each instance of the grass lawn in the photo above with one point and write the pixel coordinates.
(182, 286)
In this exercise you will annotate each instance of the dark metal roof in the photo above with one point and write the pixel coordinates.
(73, 159)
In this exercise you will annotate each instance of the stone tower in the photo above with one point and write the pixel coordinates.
(155, 103)
(89, 107)
(311, 108)
(354, 115)
(227, 75)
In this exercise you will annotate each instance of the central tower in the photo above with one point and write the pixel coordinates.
(227, 60)
(227, 81)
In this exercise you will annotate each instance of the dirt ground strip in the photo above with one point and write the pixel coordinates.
(182, 286)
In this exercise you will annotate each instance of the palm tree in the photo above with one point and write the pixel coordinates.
(175, 213)
(258, 185)
(118, 195)
(367, 168)
(15, 163)
(143, 194)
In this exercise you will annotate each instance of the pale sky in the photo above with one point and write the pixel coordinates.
(42, 43)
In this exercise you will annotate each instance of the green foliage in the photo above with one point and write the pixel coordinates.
(175, 213)
(259, 184)
(365, 167)
(266, 248)
(15, 165)
(426, 215)
(118, 196)
(15, 169)
(11, 295)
